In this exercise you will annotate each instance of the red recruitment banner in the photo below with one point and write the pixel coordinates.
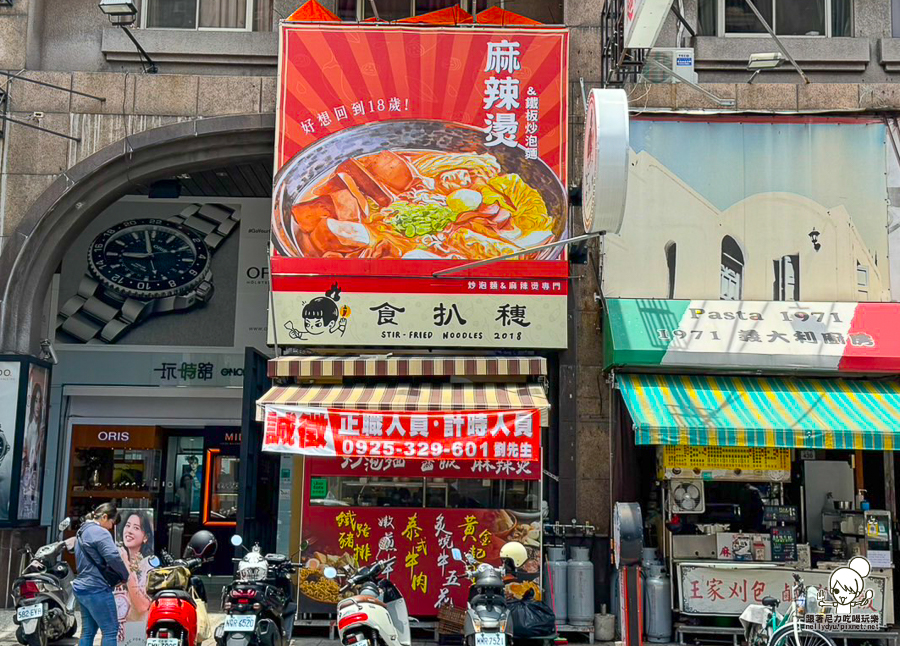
(401, 468)
(471, 435)
(455, 152)
(421, 540)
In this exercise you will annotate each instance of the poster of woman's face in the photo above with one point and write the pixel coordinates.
(33, 443)
(135, 532)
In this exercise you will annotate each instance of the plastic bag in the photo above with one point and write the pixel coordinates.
(203, 627)
(531, 619)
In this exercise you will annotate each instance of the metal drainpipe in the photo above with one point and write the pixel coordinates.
(4, 161)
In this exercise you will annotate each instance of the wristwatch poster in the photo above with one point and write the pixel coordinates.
(146, 267)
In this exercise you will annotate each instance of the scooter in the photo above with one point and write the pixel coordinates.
(177, 594)
(259, 605)
(45, 602)
(487, 620)
(376, 615)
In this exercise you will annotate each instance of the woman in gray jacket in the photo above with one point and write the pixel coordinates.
(95, 549)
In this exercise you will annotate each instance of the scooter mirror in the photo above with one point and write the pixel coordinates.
(457, 555)
(236, 540)
(154, 561)
(65, 524)
(330, 573)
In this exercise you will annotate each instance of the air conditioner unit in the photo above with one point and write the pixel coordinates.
(678, 59)
(687, 497)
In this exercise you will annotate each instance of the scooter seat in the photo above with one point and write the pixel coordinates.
(361, 599)
(176, 594)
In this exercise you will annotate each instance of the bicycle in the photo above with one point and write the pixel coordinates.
(765, 626)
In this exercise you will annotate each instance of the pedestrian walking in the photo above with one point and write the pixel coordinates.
(100, 569)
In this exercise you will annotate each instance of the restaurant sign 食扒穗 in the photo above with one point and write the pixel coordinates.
(387, 174)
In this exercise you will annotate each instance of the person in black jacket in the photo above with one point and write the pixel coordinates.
(95, 551)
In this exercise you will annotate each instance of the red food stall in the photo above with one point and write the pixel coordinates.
(412, 485)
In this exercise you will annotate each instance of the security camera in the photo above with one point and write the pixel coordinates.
(48, 353)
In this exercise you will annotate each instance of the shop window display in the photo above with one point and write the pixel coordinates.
(220, 505)
(434, 493)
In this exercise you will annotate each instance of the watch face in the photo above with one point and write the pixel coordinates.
(149, 258)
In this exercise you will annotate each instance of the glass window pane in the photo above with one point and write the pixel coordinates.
(800, 18)
(382, 492)
(740, 19)
(388, 9)
(223, 489)
(708, 17)
(171, 14)
(470, 494)
(546, 11)
(223, 14)
(841, 18)
(426, 6)
(262, 15)
(346, 9)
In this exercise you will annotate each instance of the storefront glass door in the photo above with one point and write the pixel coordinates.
(181, 513)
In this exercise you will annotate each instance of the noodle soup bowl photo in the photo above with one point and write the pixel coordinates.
(416, 189)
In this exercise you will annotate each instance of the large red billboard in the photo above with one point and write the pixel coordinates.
(404, 151)
(487, 436)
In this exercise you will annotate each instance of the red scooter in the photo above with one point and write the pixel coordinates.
(178, 595)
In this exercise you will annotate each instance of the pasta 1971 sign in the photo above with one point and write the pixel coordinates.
(454, 153)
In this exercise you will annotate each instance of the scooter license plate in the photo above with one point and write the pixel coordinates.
(30, 612)
(490, 639)
(159, 641)
(239, 623)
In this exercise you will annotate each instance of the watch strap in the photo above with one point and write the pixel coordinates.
(214, 222)
(98, 315)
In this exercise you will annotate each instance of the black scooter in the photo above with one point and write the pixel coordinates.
(259, 604)
(45, 603)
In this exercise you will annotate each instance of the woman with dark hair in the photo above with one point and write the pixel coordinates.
(94, 547)
(137, 549)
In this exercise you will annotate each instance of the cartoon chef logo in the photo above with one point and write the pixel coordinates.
(322, 314)
(847, 587)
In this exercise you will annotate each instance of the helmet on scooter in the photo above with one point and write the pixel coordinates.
(515, 552)
(202, 545)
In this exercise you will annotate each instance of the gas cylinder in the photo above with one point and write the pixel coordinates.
(580, 582)
(648, 558)
(556, 583)
(658, 605)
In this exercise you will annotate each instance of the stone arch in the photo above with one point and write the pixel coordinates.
(32, 254)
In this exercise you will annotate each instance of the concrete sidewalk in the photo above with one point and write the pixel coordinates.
(8, 634)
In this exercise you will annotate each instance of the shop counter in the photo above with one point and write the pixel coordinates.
(726, 588)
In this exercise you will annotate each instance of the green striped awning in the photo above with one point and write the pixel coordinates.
(778, 413)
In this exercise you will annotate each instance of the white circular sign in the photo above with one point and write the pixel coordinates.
(605, 174)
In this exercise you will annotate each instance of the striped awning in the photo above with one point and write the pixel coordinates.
(405, 366)
(746, 411)
(411, 397)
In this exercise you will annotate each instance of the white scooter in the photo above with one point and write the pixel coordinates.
(45, 601)
(376, 615)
